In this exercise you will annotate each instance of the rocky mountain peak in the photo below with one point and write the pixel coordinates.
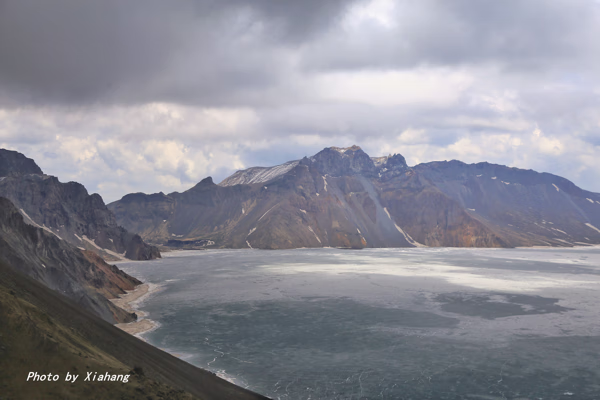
(391, 166)
(390, 161)
(13, 162)
(338, 161)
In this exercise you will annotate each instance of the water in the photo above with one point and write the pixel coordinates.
(384, 323)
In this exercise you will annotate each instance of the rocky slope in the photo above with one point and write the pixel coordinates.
(67, 210)
(341, 197)
(79, 275)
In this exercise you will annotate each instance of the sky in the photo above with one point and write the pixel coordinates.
(148, 96)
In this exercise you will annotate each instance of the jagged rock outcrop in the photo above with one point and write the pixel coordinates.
(67, 210)
(341, 197)
(79, 275)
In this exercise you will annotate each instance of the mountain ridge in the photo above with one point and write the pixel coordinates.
(342, 197)
(67, 210)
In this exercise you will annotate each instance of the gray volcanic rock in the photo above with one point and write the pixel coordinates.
(327, 200)
(535, 208)
(15, 162)
(341, 197)
(336, 161)
(82, 277)
(69, 212)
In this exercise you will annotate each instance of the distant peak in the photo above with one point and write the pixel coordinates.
(341, 161)
(203, 184)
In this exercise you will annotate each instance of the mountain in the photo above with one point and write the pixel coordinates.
(67, 210)
(15, 162)
(342, 197)
(79, 275)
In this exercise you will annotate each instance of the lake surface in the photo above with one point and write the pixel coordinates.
(384, 323)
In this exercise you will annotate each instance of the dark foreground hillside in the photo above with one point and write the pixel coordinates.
(42, 331)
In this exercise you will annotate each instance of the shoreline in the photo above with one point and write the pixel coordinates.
(579, 245)
(129, 302)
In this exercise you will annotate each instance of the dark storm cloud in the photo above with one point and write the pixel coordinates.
(241, 53)
(112, 92)
(71, 51)
(512, 33)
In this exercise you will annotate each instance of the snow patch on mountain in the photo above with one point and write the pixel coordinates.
(112, 253)
(379, 161)
(593, 227)
(343, 150)
(311, 229)
(258, 174)
(406, 235)
(266, 213)
(564, 241)
(32, 222)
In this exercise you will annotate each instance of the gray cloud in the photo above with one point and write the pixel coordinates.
(232, 52)
(72, 51)
(152, 95)
(535, 35)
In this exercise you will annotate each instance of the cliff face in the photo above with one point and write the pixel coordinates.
(68, 211)
(79, 275)
(344, 198)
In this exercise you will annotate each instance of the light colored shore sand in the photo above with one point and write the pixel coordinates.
(138, 327)
(127, 302)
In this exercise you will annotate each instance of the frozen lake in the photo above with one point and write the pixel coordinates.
(384, 323)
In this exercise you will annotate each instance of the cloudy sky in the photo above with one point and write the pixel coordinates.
(148, 95)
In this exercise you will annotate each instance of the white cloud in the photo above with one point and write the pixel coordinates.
(378, 11)
(547, 145)
(435, 87)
